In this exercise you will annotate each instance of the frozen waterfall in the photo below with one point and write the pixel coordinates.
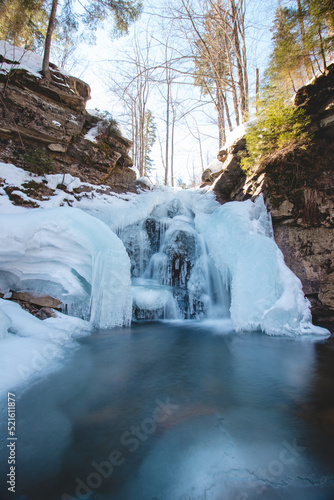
(192, 258)
(173, 277)
(164, 254)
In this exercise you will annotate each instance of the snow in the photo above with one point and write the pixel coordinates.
(237, 133)
(93, 133)
(146, 181)
(265, 294)
(215, 166)
(71, 256)
(15, 176)
(53, 180)
(23, 59)
(30, 347)
(93, 112)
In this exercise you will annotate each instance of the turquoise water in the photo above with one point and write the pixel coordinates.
(167, 411)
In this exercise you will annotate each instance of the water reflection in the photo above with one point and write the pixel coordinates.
(177, 412)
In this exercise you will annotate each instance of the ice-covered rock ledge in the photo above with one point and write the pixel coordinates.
(71, 256)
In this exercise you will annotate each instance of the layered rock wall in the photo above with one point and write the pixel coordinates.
(50, 117)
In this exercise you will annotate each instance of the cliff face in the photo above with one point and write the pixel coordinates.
(298, 187)
(51, 119)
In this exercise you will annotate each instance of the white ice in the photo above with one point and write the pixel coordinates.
(265, 294)
(71, 256)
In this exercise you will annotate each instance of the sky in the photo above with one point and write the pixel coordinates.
(109, 59)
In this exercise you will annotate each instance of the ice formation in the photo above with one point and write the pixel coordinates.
(191, 258)
(71, 256)
(173, 275)
(265, 294)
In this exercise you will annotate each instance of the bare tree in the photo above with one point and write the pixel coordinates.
(133, 85)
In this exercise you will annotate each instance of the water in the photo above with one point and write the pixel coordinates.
(173, 276)
(175, 412)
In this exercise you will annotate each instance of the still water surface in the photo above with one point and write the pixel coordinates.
(176, 412)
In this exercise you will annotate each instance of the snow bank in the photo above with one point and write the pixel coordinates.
(265, 294)
(71, 256)
(146, 181)
(22, 59)
(30, 346)
(93, 133)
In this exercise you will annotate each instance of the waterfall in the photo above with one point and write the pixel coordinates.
(173, 276)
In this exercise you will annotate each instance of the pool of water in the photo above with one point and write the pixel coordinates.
(167, 411)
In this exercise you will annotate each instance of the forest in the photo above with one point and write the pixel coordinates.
(185, 71)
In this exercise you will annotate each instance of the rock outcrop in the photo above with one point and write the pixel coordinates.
(50, 118)
(230, 173)
(298, 187)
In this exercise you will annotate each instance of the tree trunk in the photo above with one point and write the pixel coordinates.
(167, 125)
(257, 90)
(234, 90)
(48, 38)
(228, 116)
(172, 148)
(322, 50)
(243, 104)
(307, 59)
(221, 119)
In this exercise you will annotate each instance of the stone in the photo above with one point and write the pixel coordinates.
(152, 226)
(309, 254)
(58, 148)
(37, 300)
(283, 211)
(45, 312)
(231, 175)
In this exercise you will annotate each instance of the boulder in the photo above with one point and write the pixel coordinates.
(37, 300)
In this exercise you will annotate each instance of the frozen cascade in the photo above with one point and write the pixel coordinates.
(204, 260)
(173, 276)
(190, 258)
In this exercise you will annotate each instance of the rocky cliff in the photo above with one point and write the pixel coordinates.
(298, 187)
(43, 125)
